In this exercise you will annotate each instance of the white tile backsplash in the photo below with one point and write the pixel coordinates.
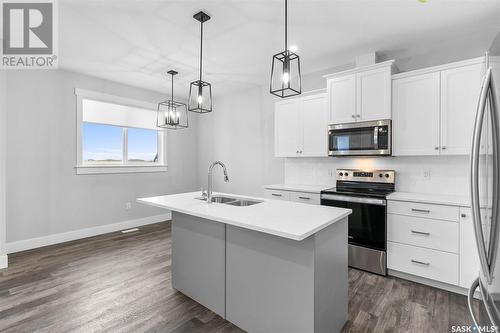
(424, 174)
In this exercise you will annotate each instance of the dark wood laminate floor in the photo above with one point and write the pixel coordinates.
(121, 283)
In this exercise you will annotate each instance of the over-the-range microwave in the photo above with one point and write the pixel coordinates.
(360, 139)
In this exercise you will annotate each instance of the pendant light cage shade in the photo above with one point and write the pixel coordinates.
(200, 92)
(172, 114)
(285, 75)
(200, 97)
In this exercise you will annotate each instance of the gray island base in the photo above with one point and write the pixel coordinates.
(262, 282)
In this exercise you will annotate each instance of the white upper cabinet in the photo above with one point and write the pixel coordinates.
(360, 94)
(460, 89)
(416, 105)
(287, 136)
(301, 126)
(314, 115)
(434, 109)
(342, 99)
(373, 94)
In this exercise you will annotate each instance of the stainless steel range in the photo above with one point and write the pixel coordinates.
(365, 193)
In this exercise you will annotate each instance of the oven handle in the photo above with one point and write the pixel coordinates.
(371, 201)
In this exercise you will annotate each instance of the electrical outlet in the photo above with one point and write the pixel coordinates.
(427, 174)
(128, 205)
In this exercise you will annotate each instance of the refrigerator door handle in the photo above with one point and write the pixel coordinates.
(474, 177)
(494, 232)
(470, 297)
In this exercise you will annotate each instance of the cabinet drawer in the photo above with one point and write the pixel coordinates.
(441, 212)
(305, 197)
(427, 263)
(433, 234)
(277, 194)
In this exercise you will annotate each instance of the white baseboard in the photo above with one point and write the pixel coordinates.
(3, 261)
(37, 242)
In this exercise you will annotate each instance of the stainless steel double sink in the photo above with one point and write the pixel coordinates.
(241, 202)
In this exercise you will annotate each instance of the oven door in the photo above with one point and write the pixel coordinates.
(367, 223)
(367, 230)
(360, 139)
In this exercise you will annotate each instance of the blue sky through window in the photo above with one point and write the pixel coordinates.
(142, 145)
(102, 143)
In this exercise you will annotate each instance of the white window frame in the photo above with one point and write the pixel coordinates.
(126, 167)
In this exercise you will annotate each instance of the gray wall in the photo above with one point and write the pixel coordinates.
(44, 195)
(240, 132)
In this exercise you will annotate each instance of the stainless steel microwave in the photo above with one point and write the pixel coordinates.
(360, 139)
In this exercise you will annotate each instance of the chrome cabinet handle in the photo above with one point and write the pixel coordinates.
(305, 198)
(463, 215)
(420, 233)
(420, 210)
(276, 194)
(353, 116)
(470, 297)
(436, 148)
(443, 147)
(420, 262)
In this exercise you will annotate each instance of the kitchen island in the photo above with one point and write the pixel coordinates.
(265, 265)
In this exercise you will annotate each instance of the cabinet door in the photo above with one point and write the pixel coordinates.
(287, 134)
(342, 99)
(314, 119)
(469, 259)
(373, 94)
(460, 89)
(416, 115)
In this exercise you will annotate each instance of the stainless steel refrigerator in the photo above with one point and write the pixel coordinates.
(485, 204)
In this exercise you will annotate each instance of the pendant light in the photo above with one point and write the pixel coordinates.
(172, 114)
(200, 92)
(286, 79)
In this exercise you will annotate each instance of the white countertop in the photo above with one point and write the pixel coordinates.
(298, 187)
(286, 219)
(440, 199)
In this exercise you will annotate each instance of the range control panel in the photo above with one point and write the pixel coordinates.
(372, 176)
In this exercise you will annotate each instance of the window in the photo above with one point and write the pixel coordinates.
(142, 146)
(117, 135)
(102, 144)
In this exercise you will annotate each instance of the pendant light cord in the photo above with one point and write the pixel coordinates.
(286, 25)
(201, 49)
(172, 88)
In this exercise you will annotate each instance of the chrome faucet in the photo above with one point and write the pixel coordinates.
(226, 178)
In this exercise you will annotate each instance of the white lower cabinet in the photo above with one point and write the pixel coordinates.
(431, 264)
(469, 258)
(303, 197)
(433, 241)
(277, 194)
(423, 232)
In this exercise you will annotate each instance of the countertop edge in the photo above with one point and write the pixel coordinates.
(246, 226)
(292, 188)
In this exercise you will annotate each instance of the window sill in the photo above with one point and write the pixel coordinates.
(107, 169)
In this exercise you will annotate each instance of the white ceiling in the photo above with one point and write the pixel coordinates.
(136, 42)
